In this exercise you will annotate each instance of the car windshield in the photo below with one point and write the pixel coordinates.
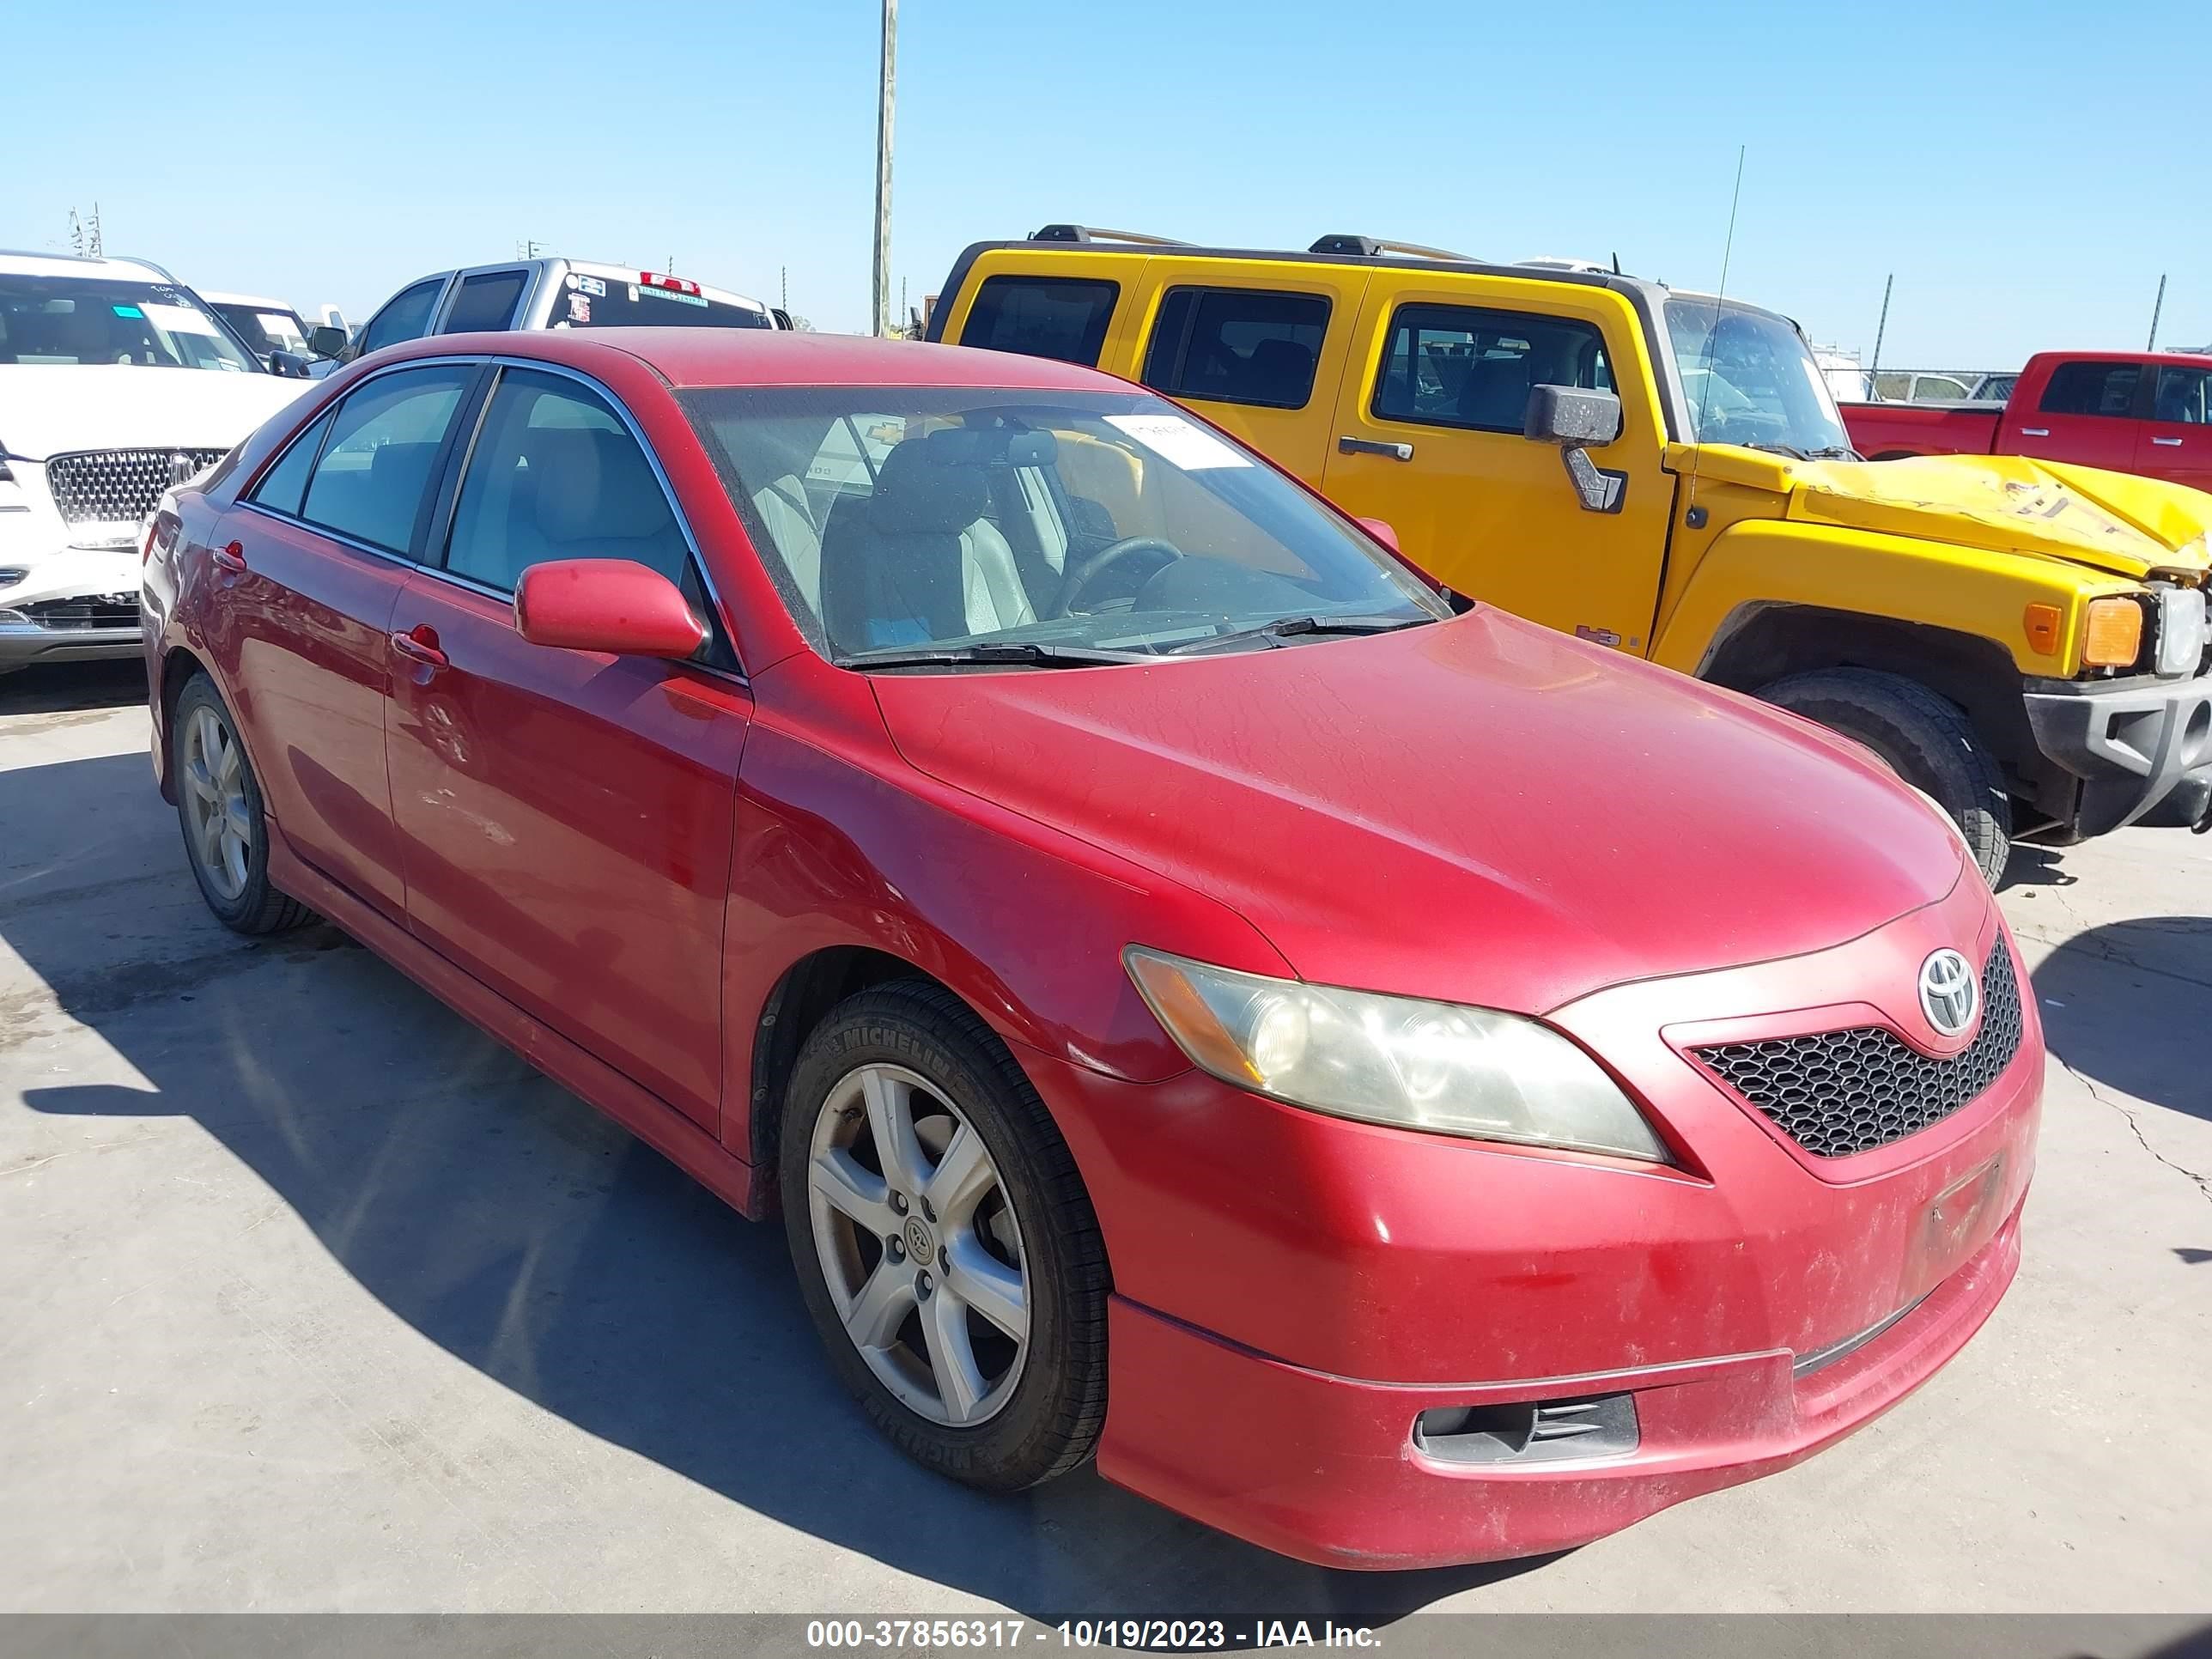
(1006, 525)
(1750, 380)
(80, 319)
(267, 328)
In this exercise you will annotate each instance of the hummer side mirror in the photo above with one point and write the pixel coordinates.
(1577, 421)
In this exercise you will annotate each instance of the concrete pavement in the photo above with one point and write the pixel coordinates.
(315, 1298)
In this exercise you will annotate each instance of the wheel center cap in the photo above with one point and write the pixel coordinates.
(919, 1245)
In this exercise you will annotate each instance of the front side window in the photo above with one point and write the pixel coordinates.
(982, 525)
(1237, 346)
(1749, 379)
(405, 317)
(1064, 317)
(64, 320)
(2185, 396)
(1460, 366)
(266, 330)
(382, 448)
(2092, 389)
(556, 475)
(487, 302)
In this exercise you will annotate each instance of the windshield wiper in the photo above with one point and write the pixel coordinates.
(1289, 627)
(1790, 450)
(993, 653)
(1836, 453)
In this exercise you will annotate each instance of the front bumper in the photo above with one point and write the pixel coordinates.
(1293, 1291)
(68, 604)
(2131, 742)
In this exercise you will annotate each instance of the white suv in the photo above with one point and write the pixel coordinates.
(116, 381)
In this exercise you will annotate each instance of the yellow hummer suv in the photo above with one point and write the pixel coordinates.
(1666, 474)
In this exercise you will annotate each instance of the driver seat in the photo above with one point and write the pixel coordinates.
(917, 560)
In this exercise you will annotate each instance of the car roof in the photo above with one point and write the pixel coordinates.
(253, 299)
(26, 263)
(747, 357)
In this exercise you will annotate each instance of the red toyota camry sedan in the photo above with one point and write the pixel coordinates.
(1396, 1083)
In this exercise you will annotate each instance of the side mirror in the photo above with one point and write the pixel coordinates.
(614, 606)
(289, 363)
(1381, 530)
(327, 341)
(1576, 420)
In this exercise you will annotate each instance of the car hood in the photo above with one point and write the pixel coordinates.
(2111, 521)
(1480, 811)
(55, 409)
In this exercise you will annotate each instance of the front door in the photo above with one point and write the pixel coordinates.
(2176, 442)
(1428, 436)
(566, 817)
(313, 559)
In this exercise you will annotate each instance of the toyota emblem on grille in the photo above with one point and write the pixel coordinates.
(1947, 992)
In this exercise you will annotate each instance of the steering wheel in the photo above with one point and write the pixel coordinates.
(1080, 577)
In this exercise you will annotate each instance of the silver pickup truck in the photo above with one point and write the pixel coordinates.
(544, 294)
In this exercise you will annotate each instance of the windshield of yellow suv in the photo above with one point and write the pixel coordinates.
(70, 320)
(1749, 379)
(949, 525)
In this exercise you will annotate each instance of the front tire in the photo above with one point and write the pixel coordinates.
(945, 1247)
(1922, 738)
(219, 809)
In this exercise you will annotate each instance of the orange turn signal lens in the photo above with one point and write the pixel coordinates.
(2043, 623)
(2113, 638)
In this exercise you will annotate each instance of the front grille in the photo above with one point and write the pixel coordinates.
(117, 486)
(1838, 1092)
(109, 610)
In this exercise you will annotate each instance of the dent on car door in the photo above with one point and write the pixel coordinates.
(566, 815)
(308, 568)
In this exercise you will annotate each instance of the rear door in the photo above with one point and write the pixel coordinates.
(1428, 437)
(313, 562)
(2176, 441)
(1258, 349)
(566, 817)
(2087, 414)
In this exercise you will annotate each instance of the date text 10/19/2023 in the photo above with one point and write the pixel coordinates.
(1161, 1635)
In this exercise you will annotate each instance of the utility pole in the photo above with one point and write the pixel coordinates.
(1881, 329)
(887, 83)
(2157, 305)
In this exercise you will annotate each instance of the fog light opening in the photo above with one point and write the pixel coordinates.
(1529, 1430)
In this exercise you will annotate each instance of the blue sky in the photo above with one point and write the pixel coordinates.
(2017, 166)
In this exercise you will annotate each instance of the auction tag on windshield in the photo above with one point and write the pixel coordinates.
(1173, 438)
(178, 319)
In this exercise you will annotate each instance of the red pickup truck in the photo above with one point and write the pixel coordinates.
(2125, 411)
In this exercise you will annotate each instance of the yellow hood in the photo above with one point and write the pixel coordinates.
(2115, 521)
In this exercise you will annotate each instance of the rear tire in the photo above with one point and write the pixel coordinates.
(219, 809)
(1922, 738)
(911, 1270)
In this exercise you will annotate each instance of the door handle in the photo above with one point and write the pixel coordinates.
(231, 558)
(1348, 445)
(2167, 443)
(420, 644)
(2035, 432)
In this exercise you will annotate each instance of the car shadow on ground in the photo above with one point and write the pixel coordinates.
(526, 1235)
(65, 688)
(2110, 996)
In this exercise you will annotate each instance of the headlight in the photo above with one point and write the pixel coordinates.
(2180, 629)
(1397, 1061)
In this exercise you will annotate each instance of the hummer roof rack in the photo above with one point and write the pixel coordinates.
(1369, 247)
(1099, 234)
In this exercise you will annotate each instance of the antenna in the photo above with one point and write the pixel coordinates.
(1704, 401)
(1874, 391)
(2157, 305)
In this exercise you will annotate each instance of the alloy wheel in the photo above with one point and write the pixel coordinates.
(919, 1245)
(220, 824)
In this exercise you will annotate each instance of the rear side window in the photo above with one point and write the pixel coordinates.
(283, 484)
(1061, 317)
(406, 316)
(1457, 366)
(1237, 346)
(2092, 389)
(376, 467)
(485, 301)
